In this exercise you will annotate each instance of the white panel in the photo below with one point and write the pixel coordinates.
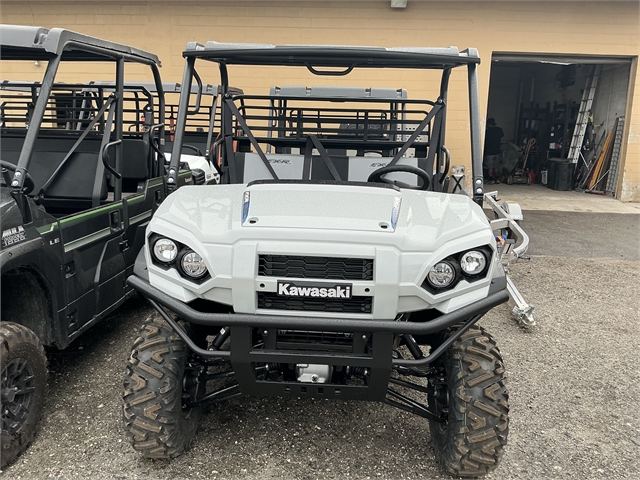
(361, 167)
(285, 166)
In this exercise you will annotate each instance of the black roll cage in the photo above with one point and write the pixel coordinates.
(57, 45)
(334, 60)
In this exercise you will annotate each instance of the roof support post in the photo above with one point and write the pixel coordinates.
(34, 126)
(226, 127)
(183, 106)
(158, 165)
(476, 144)
(117, 193)
(444, 91)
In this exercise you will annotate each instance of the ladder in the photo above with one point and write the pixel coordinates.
(583, 115)
(612, 178)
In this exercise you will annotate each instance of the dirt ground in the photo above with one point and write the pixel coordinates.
(573, 384)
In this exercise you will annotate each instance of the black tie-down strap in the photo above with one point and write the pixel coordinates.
(252, 139)
(418, 131)
(323, 154)
(97, 117)
(97, 183)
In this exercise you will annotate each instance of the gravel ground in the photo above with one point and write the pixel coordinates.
(573, 385)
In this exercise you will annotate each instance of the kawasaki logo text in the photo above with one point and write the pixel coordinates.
(325, 291)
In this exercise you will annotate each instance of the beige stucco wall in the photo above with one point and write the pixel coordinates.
(165, 27)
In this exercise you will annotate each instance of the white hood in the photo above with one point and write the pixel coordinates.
(321, 212)
(310, 206)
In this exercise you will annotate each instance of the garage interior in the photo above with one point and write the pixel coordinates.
(562, 118)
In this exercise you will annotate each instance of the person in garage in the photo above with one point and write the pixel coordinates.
(492, 155)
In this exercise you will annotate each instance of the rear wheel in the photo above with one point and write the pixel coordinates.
(24, 385)
(156, 419)
(471, 395)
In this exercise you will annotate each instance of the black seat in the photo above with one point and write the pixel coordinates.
(135, 162)
(71, 189)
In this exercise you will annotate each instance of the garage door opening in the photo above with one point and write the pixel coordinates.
(562, 119)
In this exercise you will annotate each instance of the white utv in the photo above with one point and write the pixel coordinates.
(331, 262)
(202, 126)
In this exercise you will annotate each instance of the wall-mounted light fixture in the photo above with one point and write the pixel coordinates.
(398, 3)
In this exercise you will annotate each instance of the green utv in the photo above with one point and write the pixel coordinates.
(82, 174)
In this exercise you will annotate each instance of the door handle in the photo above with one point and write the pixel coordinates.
(115, 218)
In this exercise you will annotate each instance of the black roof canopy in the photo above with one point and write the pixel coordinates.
(19, 42)
(337, 56)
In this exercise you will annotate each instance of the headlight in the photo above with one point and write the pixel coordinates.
(441, 275)
(193, 265)
(473, 262)
(165, 250)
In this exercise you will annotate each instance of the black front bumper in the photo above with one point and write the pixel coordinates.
(379, 363)
(313, 323)
(243, 356)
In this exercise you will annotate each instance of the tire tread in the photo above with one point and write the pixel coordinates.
(154, 420)
(476, 433)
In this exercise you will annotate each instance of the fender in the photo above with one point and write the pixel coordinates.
(31, 255)
(140, 268)
(12, 258)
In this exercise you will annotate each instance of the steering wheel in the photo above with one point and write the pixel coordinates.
(376, 176)
(195, 149)
(28, 185)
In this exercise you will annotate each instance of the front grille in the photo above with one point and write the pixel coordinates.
(327, 268)
(306, 340)
(273, 301)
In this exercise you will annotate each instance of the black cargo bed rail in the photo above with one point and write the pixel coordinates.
(289, 119)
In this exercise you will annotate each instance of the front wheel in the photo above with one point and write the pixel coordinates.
(156, 419)
(24, 386)
(471, 396)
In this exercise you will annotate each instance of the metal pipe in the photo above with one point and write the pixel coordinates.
(183, 106)
(157, 167)
(226, 129)
(413, 347)
(323, 324)
(34, 127)
(505, 220)
(183, 335)
(410, 406)
(117, 192)
(474, 126)
(221, 338)
(212, 122)
(425, 361)
(444, 89)
(217, 396)
(411, 385)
